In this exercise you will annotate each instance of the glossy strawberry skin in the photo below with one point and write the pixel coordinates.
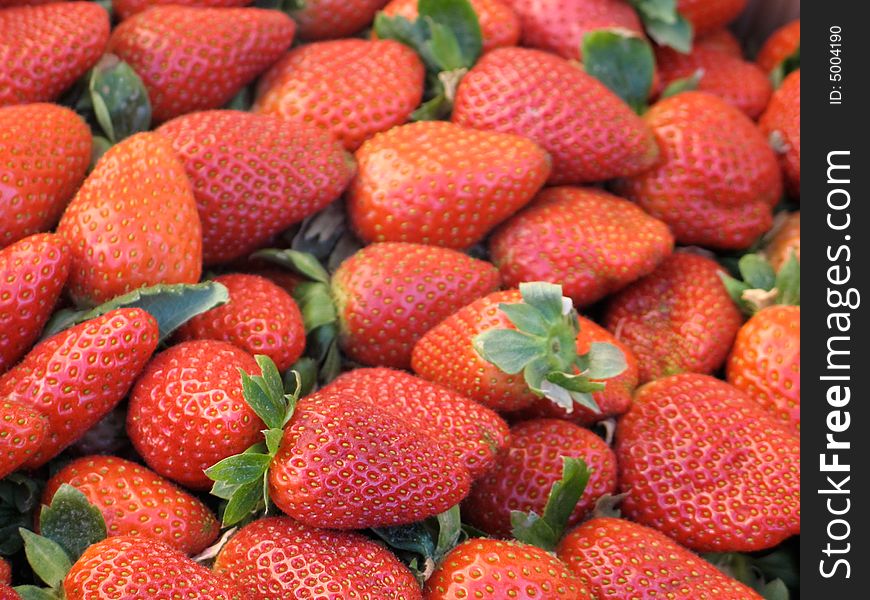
(703, 463)
(46, 150)
(765, 362)
(785, 242)
(92, 366)
(260, 318)
(781, 44)
(127, 8)
(328, 19)
(591, 134)
(128, 564)
(615, 558)
(136, 501)
(22, 431)
(590, 242)
(781, 122)
(33, 272)
(437, 183)
(721, 40)
(494, 569)
(717, 178)
(678, 319)
(469, 431)
(388, 295)
(64, 39)
(527, 469)
(709, 15)
(187, 410)
(5, 573)
(279, 557)
(352, 88)
(358, 483)
(198, 58)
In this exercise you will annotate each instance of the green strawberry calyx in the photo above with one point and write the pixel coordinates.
(544, 348)
(664, 24)
(623, 61)
(760, 286)
(790, 63)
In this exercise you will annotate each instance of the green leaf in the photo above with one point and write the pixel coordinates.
(99, 147)
(457, 17)
(605, 361)
(242, 101)
(223, 489)
(623, 61)
(401, 30)
(301, 263)
(526, 318)
(47, 558)
(444, 47)
(315, 303)
(558, 394)
(31, 592)
(273, 440)
(449, 530)
(757, 272)
(663, 10)
(72, 521)
(434, 109)
(546, 297)
(411, 538)
(780, 71)
(775, 590)
(246, 499)
(508, 349)
(664, 24)
(788, 282)
(585, 399)
(301, 378)
(686, 84)
(240, 469)
(535, 372)
(574, 383)
(267, 407)
(270, 374)
(119, 98)
(735, 289)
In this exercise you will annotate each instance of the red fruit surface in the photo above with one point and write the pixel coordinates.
(138, 502)
(388, 295)
(590, 242)
(781, 122)
(5, 573)
(92, 366)
(709, 15)
(33, 272)
(723, 41)
(781, 44)
(590, 133)
(615, 558)
(45, 151)
(352, 88)
(785, 242)
(187, 410)
(328, 19)
(22, 431)
(127, 8)
(703, 463)
(276, 557)
(198, 58)
(717, 178)
(437, 183)
(527, 469)
(64, 39)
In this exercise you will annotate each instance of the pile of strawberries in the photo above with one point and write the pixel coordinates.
(289, 300)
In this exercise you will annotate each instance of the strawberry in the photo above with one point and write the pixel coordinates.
(495, 569)
(260, 318)
(127, 8)
(5, 573)
(8, 593)
(590, 133)
(527, 469)
(499, 23)
(781, 44)
(278, 557)
(709, 15)
(442, 184)
(353, 88)
(64, 39)
(738, 82)
(133, 223)
(22, 431)
(717, 179)
(32, 275)
(679, 318)
(136, 501)
(46, 150)
(130, 566)
(388, 295)
(721, 40)
(327, 19)
(615, 558)
(703, 463)
(187, 411)
(781, 122)
(785, 242)
(471, 432)
(589, 241)
(214, 52)
(92, 367)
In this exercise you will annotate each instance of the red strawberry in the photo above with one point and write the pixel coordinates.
(8, 593)
(199, 58)
(591, 134)
(589, 241)
(738, 82)
(703, 463)
(710, 15)
(679, 318)
(127, 8)
(91, 367)
(493, 569)
(327, 19)
(260, 318)
(471, 432)
(388, 295)
(131, 566)
(33, 272)
(138, 502)
(278, 557)
(442, 184)
(723, 41)
(22, 431)
(781, 122)
(133, 223)
(615, 558)
(5, 573)
(781, 44)
(527, 469)
(187, 411)
(785, 242)
(717, 179)
(353, 88)
(45, 49)
(46, 150)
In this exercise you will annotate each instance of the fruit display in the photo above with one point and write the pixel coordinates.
(398, 300)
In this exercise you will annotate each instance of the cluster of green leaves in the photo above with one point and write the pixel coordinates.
(664, 24)
(761, 286)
